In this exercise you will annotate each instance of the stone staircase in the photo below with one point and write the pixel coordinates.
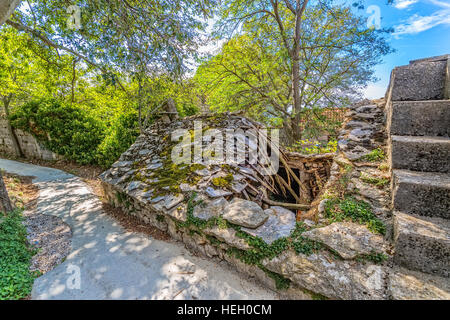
(418, 118)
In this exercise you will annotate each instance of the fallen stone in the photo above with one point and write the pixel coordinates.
(245, 213)
(280, 224)
(348, 239)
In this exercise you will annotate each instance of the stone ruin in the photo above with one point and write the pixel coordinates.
(240, 193)
(236, 213)
(276, 228)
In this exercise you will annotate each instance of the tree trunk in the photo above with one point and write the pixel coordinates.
(295, 57)
(7, 8)
(12, 133)
(5, 202)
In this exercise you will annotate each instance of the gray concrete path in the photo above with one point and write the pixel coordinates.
(106, 262)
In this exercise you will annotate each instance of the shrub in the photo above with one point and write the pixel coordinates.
(64, 129)
(119, 137)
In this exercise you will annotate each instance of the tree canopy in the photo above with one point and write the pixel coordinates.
(254, 69)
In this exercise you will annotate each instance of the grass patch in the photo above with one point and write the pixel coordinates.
(357, 211)
(16, 279)
(378, 182)
(375, 155)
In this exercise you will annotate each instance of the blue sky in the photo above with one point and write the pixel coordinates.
(422, 29)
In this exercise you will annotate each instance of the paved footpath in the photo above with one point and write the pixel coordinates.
(107, 262)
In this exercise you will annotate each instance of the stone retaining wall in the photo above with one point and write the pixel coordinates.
(30, 147)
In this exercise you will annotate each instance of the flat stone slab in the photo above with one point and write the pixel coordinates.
(410, 285)
(211, 209)
(422, 244)
(348, 239)
(336, 279)
(280, 224)
(172, 200)
(245, 213)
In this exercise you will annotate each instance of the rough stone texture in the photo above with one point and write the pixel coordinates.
(228, 236)
(420, 193)
(348, 239)
(361, 134)
(421, 118)
(422, 244)
(419, 81)
(430, 154)
(281, 223)
(245, 213)
(211, 209)
(409, 285)
(31, 148)
(336, 279)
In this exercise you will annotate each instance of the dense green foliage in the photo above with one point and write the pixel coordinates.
(16, 280)
(111, 73)
(254, 69)
(65, 129)
(118, 137)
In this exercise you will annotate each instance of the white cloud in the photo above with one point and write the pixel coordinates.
(416, 23)
(403, 4)
(374, 91)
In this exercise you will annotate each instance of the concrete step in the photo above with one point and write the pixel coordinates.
(421, 118)
(429, 154)
(420, 80)
(421, 193)
(422, 244)
(405, 284)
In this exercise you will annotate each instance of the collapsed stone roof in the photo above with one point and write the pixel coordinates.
(238, 192)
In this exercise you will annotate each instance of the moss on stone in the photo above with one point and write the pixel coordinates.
(223, 182)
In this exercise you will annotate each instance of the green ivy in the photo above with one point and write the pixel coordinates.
(357, 211)
(16, 279)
